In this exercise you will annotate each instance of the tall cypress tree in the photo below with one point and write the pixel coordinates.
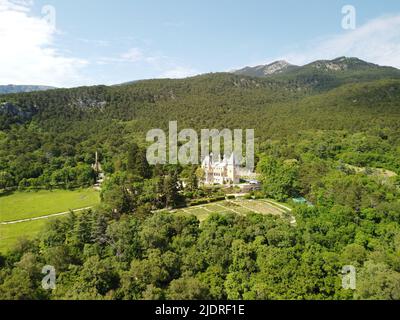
(171, 189)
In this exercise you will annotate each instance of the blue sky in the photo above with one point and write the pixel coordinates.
(107, 42)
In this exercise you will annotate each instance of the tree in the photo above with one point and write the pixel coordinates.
(137, 162)
(97, 279)
(6, 180)
(118, 199)
(214, 278)
(187, 288)
(83, 226)
(200, 174)
(376, 281)
(237, 285)
(99, 228)
(85, 175)
(19, 286)
(24, 282)
(279, 177)
(193, 180)
(153, 293)
(124, 238)
(171, 190)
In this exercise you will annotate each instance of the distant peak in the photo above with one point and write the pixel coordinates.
(275, 67)
(341, 64)
(281, 62)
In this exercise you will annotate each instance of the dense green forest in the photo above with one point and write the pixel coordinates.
(45, 134)
(332, 138)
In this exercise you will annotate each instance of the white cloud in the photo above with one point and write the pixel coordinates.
(162, 66)
(97, 43)
(133, 55)
(178, 73)
(18, 5)
(376, 41)
(28, 54)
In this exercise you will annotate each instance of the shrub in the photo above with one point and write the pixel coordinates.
(258, 195)
(198, 202)
(215, 199)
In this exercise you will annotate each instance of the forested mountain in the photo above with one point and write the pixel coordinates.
(325, 74)
(72, 122)
(326, 132)
(273, 106)
(19, 88)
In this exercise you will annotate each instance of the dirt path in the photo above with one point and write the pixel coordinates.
(44, 217)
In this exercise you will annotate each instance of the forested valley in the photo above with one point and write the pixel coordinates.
(333, 139)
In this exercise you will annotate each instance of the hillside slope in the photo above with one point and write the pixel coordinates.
(21, 88)
(272, 107)
(44, 135)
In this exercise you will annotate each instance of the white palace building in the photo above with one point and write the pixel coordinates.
(223, 171)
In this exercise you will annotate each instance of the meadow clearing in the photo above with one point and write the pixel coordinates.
(9, 234)
(27, 205)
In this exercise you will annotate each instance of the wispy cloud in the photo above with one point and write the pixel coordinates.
(179, 72)
(133, 55)
(16, 5)
(98, 43)
(161, 65)
(376, 41)
(28, 52)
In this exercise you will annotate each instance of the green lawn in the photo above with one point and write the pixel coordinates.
(9, 234)
(24, 205)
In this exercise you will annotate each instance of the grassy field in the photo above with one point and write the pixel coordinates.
(239, 206)
(9, 234)
(25, 205)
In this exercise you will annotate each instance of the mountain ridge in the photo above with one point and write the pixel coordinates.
(12, 88)
(275, 67)
(281, 67)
